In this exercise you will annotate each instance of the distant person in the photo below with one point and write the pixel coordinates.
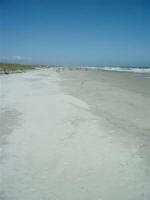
(4, 70)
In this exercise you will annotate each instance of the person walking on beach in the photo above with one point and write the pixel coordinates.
(4, 70)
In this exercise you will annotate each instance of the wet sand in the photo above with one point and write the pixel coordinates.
(74, 135)
(120, 101)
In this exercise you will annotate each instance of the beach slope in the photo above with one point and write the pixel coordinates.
(74, 135)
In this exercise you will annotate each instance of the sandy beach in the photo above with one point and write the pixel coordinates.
(74, 135)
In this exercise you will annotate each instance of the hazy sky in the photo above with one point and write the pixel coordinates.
(85, 32)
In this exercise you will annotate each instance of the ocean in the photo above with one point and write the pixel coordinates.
(137, 71)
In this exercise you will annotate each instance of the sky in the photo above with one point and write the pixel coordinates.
(73, 32)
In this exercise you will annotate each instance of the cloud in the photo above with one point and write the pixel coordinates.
(13, 58)
(18, 58)
(3, 58)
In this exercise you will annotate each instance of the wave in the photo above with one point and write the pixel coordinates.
(144, 70)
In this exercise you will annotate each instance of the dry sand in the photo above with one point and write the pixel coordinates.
(74, 135)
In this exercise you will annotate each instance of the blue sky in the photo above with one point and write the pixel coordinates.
(85, 32)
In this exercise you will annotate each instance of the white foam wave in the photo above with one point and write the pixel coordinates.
(127, 69)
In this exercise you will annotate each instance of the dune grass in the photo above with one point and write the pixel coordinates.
(16, 67)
